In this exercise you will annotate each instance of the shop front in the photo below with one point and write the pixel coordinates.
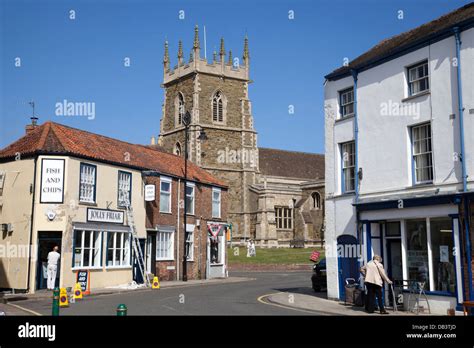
(421, 247)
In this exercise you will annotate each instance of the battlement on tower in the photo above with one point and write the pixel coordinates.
(232, 67)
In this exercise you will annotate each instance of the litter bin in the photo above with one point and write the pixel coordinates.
(354, 294)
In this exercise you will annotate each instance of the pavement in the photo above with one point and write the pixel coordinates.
(244, 293)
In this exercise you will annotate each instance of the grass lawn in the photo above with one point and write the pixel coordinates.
(273, 255)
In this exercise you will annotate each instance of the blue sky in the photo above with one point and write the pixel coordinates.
(83, 59)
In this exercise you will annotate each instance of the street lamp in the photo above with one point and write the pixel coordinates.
(202, 136)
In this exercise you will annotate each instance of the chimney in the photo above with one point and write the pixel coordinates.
(33, 124)
(153, 141)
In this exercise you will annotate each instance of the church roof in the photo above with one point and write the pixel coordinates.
(56, 139)
(291, 164)
(416, 38)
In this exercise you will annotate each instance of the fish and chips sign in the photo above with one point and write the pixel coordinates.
(103, 215)
(52, 181)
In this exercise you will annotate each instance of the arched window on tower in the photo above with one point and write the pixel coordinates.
(177, 149)
(179, 109)
(218, 107)
(316, 200)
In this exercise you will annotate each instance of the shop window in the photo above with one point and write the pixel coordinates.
(88, 175)
(417, 251)
(190, 195)
(124, 188)
(118, 249)
(442, 247)
(164, 245)
(87, 249)
(165, 195)
(284, 218)
(216, 203)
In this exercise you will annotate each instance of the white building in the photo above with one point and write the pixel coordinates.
(400, 160)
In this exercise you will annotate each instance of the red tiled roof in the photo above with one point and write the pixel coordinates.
(399, 43)
(53, 138)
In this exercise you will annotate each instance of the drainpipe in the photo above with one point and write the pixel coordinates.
(457, 36)
(356, 136)
(31, 224)
(177, 231)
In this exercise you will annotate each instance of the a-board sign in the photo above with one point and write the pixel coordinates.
(83, 278)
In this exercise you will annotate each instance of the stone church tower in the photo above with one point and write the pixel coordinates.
(216, 95)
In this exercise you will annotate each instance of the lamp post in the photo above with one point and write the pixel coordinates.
(202, 136)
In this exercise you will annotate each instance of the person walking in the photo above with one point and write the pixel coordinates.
(53, 257)
(374, 276)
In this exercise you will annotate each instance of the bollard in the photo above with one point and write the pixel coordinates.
(121, 310)
(55, 302)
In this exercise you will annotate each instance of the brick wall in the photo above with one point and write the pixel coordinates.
(202, 210)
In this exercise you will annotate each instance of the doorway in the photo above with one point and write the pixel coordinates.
(348, 262)
(151, 253)
(137, 275)
(46, 242)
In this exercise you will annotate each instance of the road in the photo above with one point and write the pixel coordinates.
(240, 298)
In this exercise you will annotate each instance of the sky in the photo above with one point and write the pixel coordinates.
(110, 55)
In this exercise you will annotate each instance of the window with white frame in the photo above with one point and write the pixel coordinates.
(124, 188)
(118, 249)
(189, 244)
(422, 153)
(165, 195)
(348, 166)
(218, 107)
(87, 249)
(180, 109)
(216, 202)
(190, 195)
(87, 183)
(284, 218)
(164, 245)
(346, 101)
(418, 78)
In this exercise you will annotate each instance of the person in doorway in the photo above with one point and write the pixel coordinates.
(53, 258)
(374, 276)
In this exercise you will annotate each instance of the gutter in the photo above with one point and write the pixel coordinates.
(457, 36)
(31, 224)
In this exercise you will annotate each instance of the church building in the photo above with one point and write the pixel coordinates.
(275, 197)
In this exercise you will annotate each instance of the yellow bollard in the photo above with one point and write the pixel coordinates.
(78, 292)
(63, 300)
(156, 283)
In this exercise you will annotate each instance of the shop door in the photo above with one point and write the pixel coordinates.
(348, 263)
(151, 253)
(137, 275)
(394, 262)
(46, 242)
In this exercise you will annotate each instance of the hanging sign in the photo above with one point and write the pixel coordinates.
(214, 229)
(149, 193)
(52, 181)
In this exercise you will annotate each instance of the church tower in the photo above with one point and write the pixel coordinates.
(216, 95)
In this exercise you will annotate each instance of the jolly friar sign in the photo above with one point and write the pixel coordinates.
(103, 215)
(52, 181)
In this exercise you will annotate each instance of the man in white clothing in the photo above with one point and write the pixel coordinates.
(53, 257)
